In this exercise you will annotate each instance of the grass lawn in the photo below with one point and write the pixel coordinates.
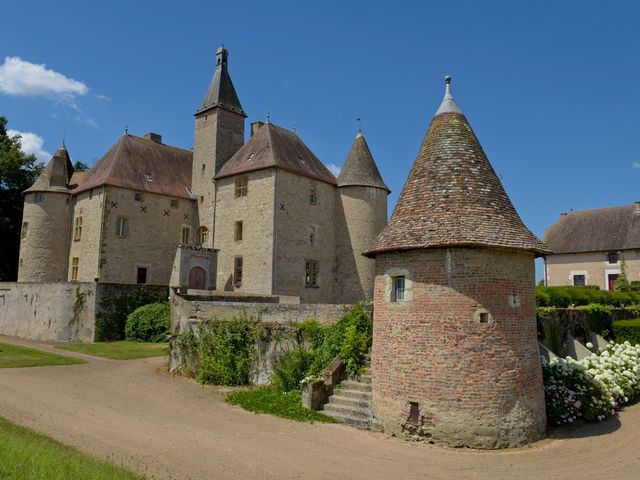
(12, 356)
(122, 350)
(276, 402)
(26, 455)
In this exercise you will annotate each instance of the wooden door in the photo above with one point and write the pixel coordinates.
(197, 278)
(613, 278)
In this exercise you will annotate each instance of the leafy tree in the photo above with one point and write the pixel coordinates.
(18, 171)
(79, 166)
(622, 282)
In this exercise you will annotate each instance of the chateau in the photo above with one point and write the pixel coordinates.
(263, 217)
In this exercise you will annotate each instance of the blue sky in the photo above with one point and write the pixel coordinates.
(551, 88)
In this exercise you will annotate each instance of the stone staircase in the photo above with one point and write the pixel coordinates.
(351, 401)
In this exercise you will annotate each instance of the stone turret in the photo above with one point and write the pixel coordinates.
(361, 215)
(219, 133)
(46, 223)
(455, 357)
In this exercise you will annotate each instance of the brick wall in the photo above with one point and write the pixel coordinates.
(476, 384)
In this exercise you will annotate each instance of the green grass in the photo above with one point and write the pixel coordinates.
(12, 356)
(122, 350)
(276, 402)
(26, 455)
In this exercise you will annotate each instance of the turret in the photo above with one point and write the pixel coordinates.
(219, 133)
(362, 214)
(455, 356)
(46, 223)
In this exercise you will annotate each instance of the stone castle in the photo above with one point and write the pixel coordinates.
(264, 217)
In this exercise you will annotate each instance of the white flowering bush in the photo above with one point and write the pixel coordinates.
(594, 387)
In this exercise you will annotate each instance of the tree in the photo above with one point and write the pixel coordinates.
(18, 171)
(622, 282)
(79, 166)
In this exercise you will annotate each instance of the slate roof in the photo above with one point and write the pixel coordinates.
(360, 168)
(597, 230)
(131, 159)
(221, 92)
(55, 175)
(453, 197)
(274, 146)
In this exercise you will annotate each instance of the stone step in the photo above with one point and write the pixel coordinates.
(363, 378)
(357, 394)
(364, 423)
(354, 385)
(338, 399)
(352, 412)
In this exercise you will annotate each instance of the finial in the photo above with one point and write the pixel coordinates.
(447, 88)
(126, 128)
(294, 127)
(221, 55)
(268, 116)
(359, 120)
(448, 104)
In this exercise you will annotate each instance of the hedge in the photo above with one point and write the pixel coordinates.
(563, 297)
(149, 323)
(627, 330)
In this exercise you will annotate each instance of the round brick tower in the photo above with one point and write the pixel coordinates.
(455, 356)
(361, 216)
(46, 229)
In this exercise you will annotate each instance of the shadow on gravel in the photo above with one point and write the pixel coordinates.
(584, 429)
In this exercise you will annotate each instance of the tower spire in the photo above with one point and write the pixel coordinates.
(221, 92)
(448, 104)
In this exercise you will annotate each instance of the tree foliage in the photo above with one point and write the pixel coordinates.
(79, 166)
(18, 171)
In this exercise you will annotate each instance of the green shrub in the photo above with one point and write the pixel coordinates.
(563, 297)
(149, 323)
(627, 330)
(222, 352)
(290, 368)
(599, 317)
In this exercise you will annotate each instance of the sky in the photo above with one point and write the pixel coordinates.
(550, 88)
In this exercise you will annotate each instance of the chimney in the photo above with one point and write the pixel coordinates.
(154, 137)
(255, 126)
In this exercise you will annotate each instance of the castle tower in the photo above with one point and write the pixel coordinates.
(361, 215)
(219, 133)
(46, 223)
(455, 357)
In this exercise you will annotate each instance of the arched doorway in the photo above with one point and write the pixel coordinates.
(197, 278)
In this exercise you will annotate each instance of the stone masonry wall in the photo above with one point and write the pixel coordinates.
(473, 384)
(88, 205)
(45, 237)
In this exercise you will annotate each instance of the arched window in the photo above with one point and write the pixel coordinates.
(203, 235)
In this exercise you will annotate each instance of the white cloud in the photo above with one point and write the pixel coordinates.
(21, 78)
(31, 143)
(104, 98)
(333, 168)
(636, 165)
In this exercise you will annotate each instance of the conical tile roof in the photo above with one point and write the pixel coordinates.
(360, 168)
(221, 92)
(276, 147)
(453, 197)
(55, 175)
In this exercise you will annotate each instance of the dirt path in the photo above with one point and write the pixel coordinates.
(172, 428)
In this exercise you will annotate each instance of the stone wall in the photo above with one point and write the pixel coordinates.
(460, 353)
(89, 206)
(60, 311)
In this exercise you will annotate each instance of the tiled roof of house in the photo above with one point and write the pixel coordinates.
(275, 147)
(221, 92)
(56, 175)
(600, 229)
(360, 168)
(453, 197)
(144, 165)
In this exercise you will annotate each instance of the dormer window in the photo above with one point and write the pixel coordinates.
(147, 177)
(242, 186)
(251, 157)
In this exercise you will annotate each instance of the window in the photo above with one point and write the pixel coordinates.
(141, 275)
(397, 295)
(174, 203)
(201, 199)
(186, 235)
(77, 229)
(579, 280)
(122, 227)
(75, 264)
(312, 235)
(203, 167)
(484, 317)
(613, 257)
(203, 235)
(414, 412)
(138, 197)
(311, 273)
(237, 272)
(25, 229)
(148, 177)
(313, 198)
(242, 186)
(39, 197)
(237, 235)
